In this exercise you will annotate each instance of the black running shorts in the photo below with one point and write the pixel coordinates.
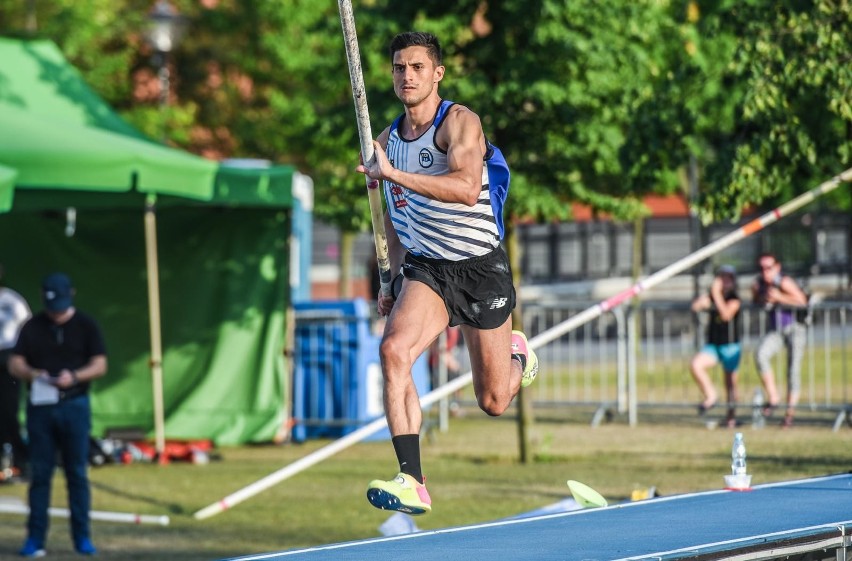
(477, 291)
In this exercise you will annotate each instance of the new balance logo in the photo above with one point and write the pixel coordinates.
(498, 303)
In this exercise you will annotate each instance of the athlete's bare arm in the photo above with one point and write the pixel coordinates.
(462, 135)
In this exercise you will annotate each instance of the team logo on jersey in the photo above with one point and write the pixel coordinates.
(426, 159)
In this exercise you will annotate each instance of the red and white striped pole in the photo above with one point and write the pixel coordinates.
(686, 262)
(539, 340)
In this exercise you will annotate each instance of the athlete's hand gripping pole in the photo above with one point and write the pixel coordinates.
(350, 38)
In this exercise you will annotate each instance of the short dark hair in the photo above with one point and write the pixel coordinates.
(418, 39)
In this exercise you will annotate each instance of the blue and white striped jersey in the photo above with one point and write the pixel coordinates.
(431, 228)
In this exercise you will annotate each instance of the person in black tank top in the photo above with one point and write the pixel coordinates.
(723, 341)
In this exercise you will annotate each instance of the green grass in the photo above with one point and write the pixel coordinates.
(473, 476)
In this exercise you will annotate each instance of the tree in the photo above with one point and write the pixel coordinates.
(286, 95)
(758, 92)
(259, 79)
(99, 36)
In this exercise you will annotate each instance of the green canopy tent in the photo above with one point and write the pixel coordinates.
(73, 175)
(62, 155)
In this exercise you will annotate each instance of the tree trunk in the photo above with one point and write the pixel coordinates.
(638, 259)
(31, 23)
(524, 398)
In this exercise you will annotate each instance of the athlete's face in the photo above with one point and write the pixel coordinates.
(415, 75)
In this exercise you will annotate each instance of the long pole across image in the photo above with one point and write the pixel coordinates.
(535, 342)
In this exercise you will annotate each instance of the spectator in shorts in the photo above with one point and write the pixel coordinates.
(723, 341)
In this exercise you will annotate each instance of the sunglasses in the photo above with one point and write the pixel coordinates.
(767, 267)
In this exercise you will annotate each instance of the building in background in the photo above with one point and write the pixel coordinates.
(591, 258)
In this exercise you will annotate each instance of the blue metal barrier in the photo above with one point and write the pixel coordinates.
(337, 383)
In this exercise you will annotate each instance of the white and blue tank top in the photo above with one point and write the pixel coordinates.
(435, 229)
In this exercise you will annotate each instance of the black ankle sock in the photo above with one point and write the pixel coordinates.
(522, 359)
(407, 448)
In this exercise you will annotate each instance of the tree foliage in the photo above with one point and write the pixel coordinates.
(760, 93)
(597, 102)
(555, 83)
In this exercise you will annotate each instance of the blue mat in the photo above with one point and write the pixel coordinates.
(784, 517)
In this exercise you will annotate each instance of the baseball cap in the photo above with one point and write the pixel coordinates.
(57, 292)
(727, 270)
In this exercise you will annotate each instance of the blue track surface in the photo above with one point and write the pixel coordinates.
(697, 526)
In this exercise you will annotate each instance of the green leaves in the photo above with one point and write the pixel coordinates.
(763, 104)
(597, 102)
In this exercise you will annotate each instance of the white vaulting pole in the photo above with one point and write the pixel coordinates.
(356, 78)
(535, 342)
(105, 516)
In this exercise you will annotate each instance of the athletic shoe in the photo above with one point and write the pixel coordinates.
(402, 493)
(32, 549)
(85, 547)
(521, 350)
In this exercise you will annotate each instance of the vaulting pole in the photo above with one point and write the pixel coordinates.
(365, 135)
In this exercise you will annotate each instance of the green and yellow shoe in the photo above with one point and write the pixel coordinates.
(402, 493)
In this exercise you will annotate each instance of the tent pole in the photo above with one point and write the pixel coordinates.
(156, 361)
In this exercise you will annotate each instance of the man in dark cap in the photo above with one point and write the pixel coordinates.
(58, 353)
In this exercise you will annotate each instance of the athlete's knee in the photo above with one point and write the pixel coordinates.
(493, 404)
(394, 354)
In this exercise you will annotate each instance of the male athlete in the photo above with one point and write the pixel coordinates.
(444, 224)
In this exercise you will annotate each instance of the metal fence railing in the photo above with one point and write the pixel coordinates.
(628, 359)
(640, 356)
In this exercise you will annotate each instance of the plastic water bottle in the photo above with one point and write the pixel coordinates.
(738, 455)
(757, 420)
